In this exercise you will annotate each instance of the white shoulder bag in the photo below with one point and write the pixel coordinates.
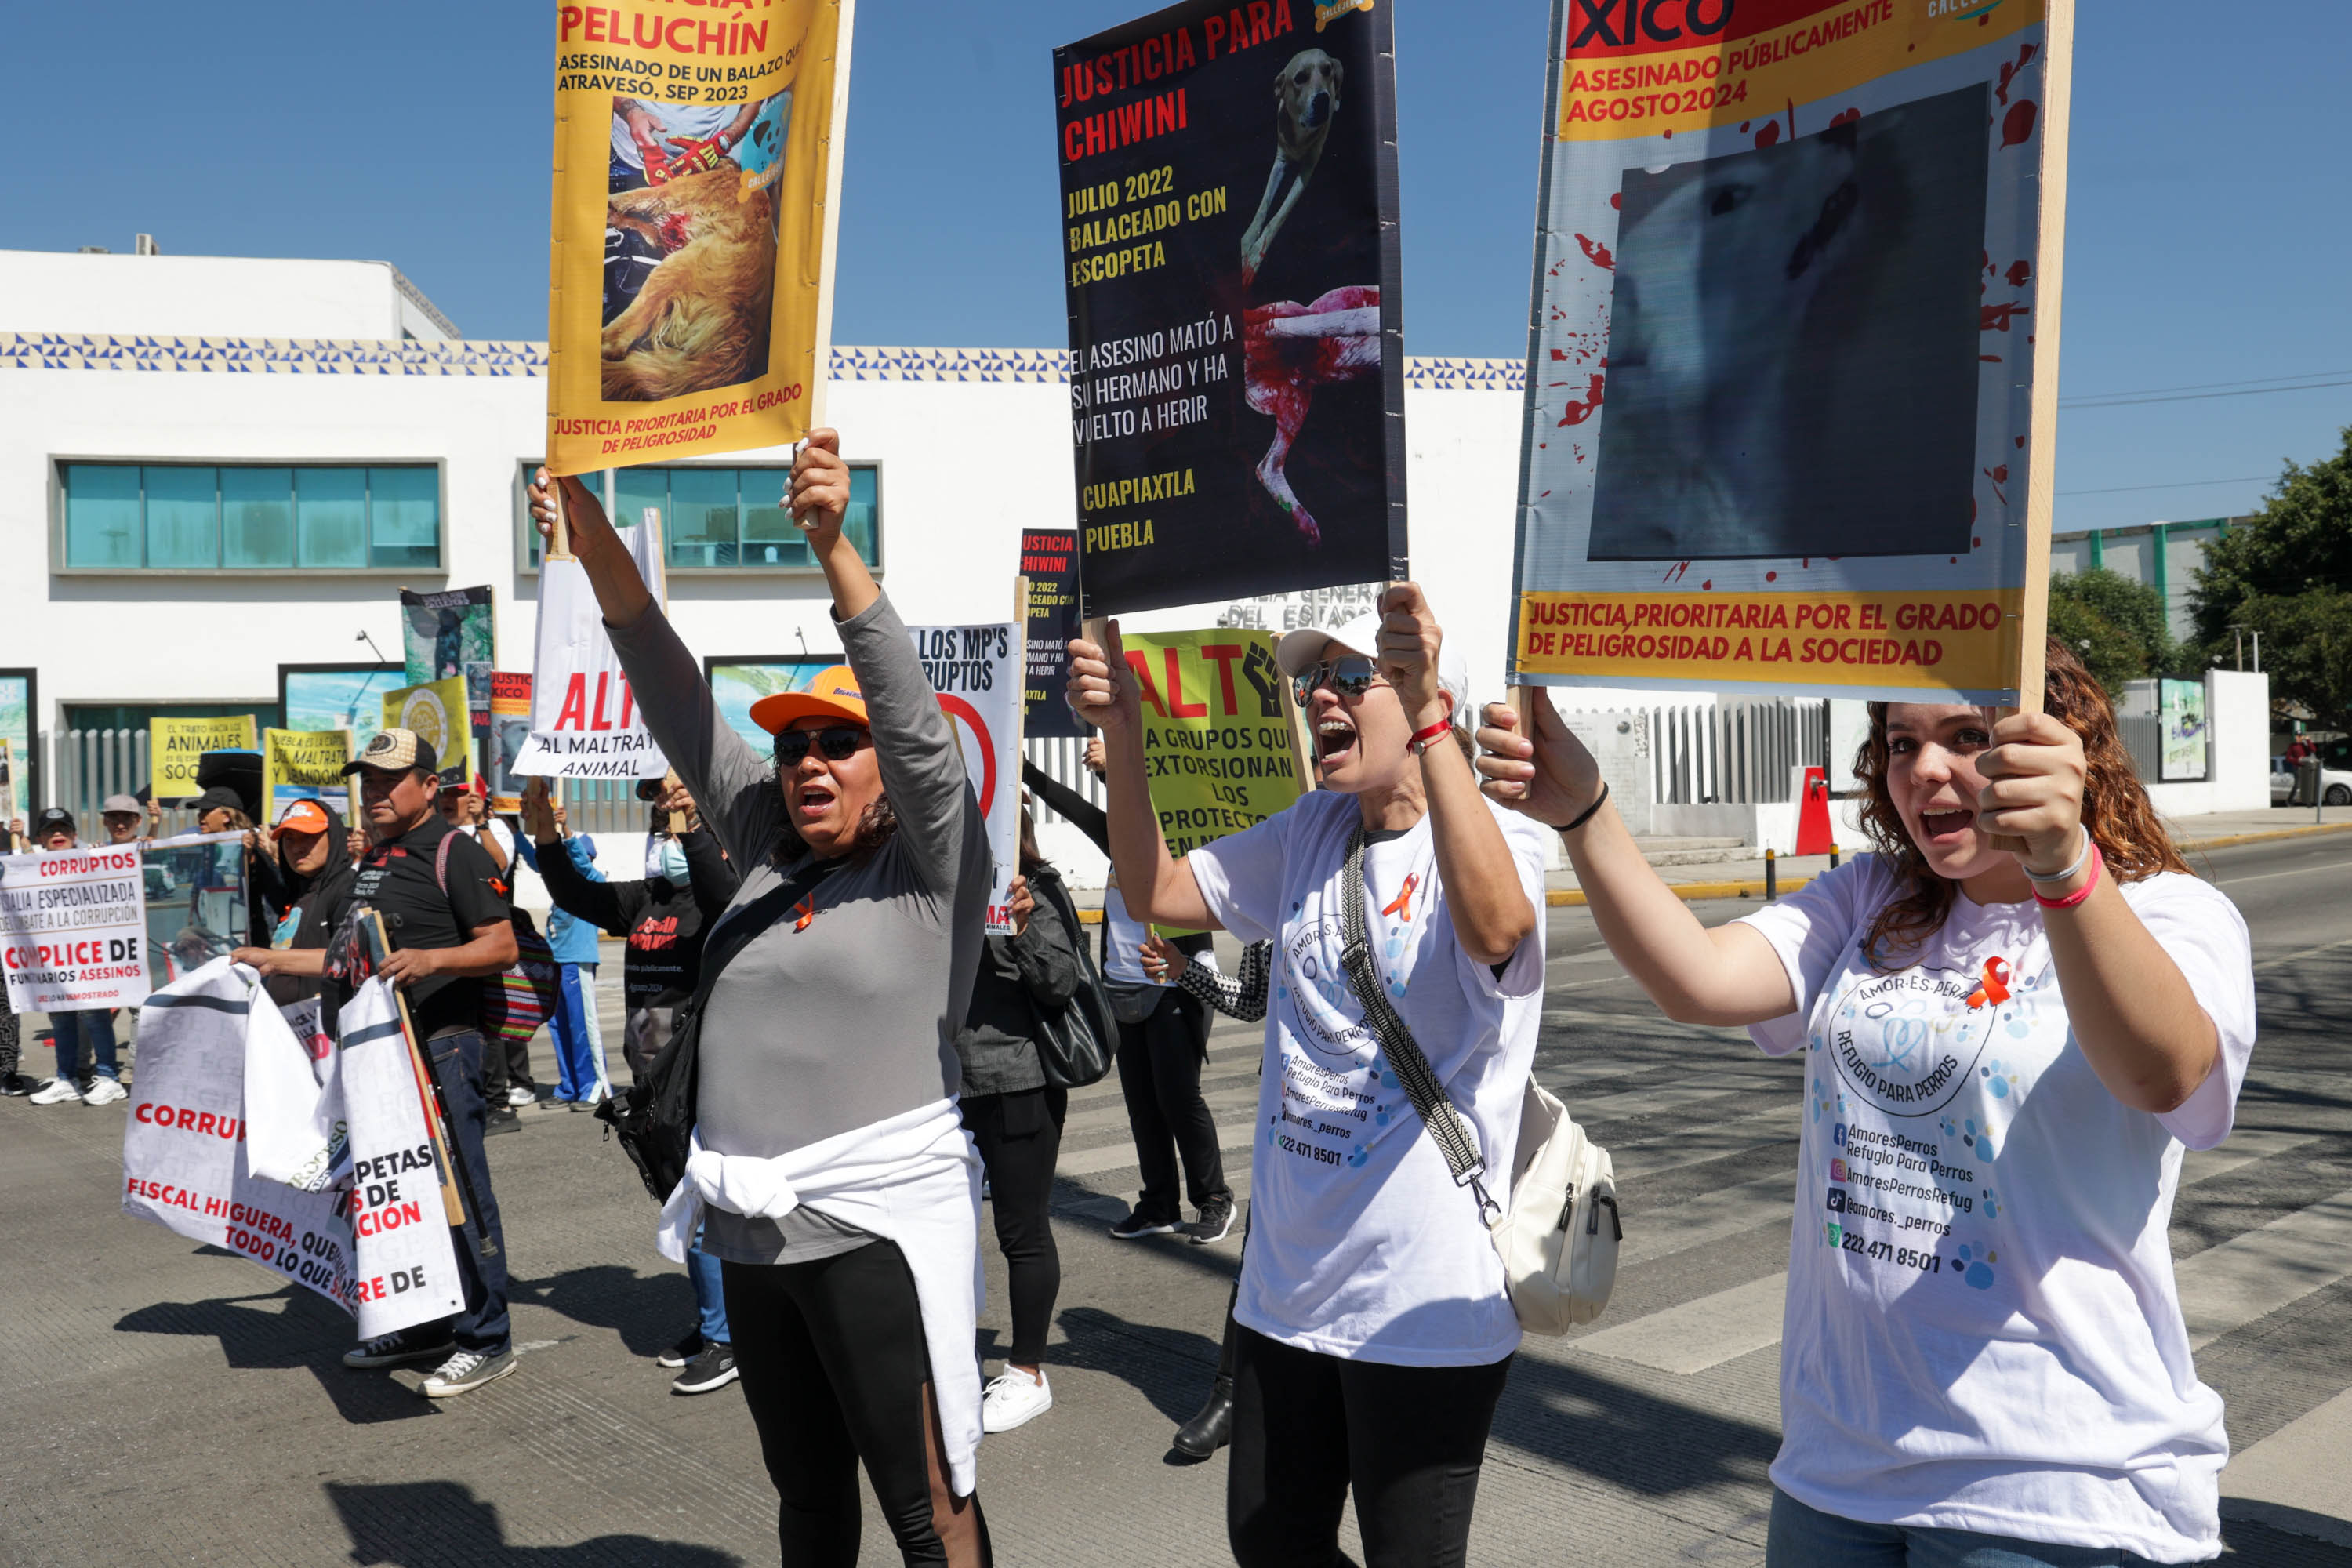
(1559, 1261)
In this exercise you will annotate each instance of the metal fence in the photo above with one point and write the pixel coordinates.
(1735, 752)
(1064, 761)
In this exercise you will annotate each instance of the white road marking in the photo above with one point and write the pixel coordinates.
(2253, 1274)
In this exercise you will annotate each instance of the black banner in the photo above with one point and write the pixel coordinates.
(1228, 237)
(1049, 559)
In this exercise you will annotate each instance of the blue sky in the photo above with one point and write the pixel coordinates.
(2208, 228)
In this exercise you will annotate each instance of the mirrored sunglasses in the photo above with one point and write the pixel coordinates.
(1349, 676)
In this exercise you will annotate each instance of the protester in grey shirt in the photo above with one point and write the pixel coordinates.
(865, 863)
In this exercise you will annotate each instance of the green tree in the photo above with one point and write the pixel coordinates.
(2113, 623)
(2288, 571)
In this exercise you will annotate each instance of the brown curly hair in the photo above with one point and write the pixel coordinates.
(2116, 810)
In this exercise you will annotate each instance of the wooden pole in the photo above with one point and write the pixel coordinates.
(429, 1091)
(829, 244)
(2042, 429)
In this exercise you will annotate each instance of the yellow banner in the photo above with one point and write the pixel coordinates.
(1934, 641)
(1753, 78)
(175, 746)
(304, 764)
(437, 710)
(695, 151)
(1216, 732)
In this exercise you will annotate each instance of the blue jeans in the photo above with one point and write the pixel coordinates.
(93, 1030)
(1803, 1537)
(480, 1244)
(709, 1291)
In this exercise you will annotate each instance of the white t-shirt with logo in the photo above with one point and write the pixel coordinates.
(1361, 1245)
(1983, 1331)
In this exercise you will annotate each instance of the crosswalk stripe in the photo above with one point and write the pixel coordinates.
(2254, 1275)
(1716, 1216)
(2273, 1266)
(2294, 1479)
(1120, 1155)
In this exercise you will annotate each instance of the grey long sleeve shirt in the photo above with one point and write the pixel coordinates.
(848, 1017)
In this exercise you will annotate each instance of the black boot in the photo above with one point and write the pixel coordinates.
(1213, 1427)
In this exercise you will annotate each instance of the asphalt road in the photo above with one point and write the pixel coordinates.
(169, 1404)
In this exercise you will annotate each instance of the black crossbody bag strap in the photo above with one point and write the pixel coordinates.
(1446, 1126)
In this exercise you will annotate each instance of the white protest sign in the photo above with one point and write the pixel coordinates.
(73, 929)
(584, 722)
(978, 673)
(406, 1267)
(185, 1149)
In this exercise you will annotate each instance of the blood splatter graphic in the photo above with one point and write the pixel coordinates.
(1769, 134)
(2021, 441)
(1597, 253)
(1996, 318)
(2002, 473)
(1845, 116)
(1617, 200)
(1744, 125)
(1998, 477)
(2008, 73)
(2018, 271)
(1675, 571)
(1578, 413)
(1772, 576)
(1708, 584)
(2018, 123)
(1975, 543)
(1984, 259)
(1989, 358)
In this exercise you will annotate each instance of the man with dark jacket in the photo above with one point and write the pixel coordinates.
(448, 928)
(665, 919)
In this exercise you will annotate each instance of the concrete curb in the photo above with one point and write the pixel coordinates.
(1753, 887)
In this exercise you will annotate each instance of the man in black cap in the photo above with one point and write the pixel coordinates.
(449, 926)
(87, 1073)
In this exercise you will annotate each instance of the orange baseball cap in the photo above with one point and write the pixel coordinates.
(834, 694)
(303, 816)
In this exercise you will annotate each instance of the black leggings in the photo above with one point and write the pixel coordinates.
(1160, 1079)
(1306, 1427)
(836, 1370)
(1019, 1136)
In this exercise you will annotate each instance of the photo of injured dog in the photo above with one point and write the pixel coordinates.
(690, 230)
(1792, 363)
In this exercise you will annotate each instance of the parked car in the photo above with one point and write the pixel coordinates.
(2291, 787)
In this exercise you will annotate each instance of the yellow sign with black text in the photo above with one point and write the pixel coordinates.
(1217, 741)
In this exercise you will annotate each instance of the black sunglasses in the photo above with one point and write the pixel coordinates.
(1349, 676)
(838, 743)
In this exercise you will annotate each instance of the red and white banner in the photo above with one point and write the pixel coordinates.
(584, 722)
(73, 929)
(978, 673)
(406, 1266)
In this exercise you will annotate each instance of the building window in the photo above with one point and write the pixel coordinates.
(187, 517)
(722, 520)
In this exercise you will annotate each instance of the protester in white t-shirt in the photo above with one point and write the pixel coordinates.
(2008, 1043)
(1375, 1333)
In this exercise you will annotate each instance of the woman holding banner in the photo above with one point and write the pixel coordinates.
(831, 1172)
(1374, 1330)
(2014, 1014)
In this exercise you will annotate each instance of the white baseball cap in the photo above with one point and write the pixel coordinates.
(1301, 650)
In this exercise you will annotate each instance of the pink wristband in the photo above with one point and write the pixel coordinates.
(2079, 894)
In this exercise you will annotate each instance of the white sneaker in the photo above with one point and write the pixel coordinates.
(57, 1091)
(104, 1090)
(1013, 1397)
(519, 1095)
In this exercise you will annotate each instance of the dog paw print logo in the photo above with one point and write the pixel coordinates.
(1821, 1099)
(1973, 1270)
(1380, 1114)
(1998, 1081)
(1356, 1161)
(1980, 1142)
(1991, 1203)
(1952, 1128)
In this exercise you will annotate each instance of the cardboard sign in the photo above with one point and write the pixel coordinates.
(698, 173)
(1229, 239)
(73, 929)
(976, 670)
(184, 1148)
(1217, 738)
(1793, 373)
(175, 746)
(304, 764)
(584, 722)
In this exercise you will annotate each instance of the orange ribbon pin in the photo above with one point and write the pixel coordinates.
(1995, 988)
(806, 910)
(1401, 905)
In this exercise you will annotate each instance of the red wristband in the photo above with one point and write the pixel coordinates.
(2079, 894)
(1424, 738)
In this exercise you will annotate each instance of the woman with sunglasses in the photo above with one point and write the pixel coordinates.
(2012, 1018)
(831, 1175)
(1374, 1330)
